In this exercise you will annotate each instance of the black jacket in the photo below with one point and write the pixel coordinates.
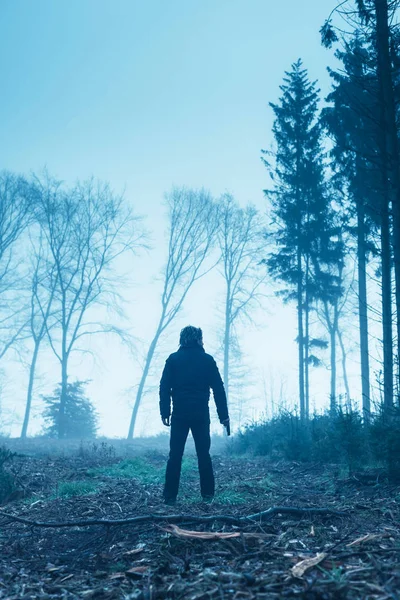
(187, 377)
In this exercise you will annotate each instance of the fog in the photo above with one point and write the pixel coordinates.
(146, 96)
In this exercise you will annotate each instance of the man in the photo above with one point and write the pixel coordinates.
(188, 376)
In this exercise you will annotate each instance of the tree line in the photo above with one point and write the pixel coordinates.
(335, 196)
(333, 223)
(59, 257)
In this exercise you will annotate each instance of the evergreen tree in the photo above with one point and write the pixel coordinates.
(328, 262)
(360, 170)
(377, 78)
(80, 416)
(300, 208)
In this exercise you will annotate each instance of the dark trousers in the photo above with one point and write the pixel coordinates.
(200, 429)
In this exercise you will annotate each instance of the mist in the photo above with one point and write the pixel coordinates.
(145, 98)
(199, 299)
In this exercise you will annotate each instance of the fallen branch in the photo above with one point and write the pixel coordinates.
(213, 535)
(261, 516)
(308, 563)
(291, 510)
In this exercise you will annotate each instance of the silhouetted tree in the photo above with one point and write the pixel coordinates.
(87, 229)
(390, 167)
(364, 153)
(299, 207)
(15, 213)
(329, 279)
(43, 288)
(192, 225)
(240, 245)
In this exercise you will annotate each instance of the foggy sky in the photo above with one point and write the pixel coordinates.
(147, 94)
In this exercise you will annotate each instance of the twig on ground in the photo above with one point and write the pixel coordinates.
(261, 516)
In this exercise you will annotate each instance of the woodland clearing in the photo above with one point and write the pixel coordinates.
(349, 549)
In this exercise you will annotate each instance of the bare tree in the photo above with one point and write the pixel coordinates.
(191, 230)
(87, 229)
(15, 214)
(43, 287)
(241, 244)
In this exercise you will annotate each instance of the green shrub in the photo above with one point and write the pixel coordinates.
(7, 484)
(283, 436)
(339, 438)
(384, 434)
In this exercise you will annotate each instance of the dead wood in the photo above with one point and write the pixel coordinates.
(261, 516)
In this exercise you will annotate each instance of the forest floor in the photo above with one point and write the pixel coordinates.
(317, 556)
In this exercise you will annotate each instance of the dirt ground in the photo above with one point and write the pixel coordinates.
(282, 555)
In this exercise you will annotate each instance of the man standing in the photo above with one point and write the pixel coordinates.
(187, 378)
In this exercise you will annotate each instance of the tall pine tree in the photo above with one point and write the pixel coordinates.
(299, 207)
(372, 84)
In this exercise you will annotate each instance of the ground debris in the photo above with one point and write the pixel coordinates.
(291, 531)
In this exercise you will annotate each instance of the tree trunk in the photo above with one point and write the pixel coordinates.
(32, 370)
(139, 394)
(333, 371)
(344, 369)
(63, 398)
(363, 309)
(386, 304)
(334, 331)
(307, 344)
(227, 340)
(300, 335)
(385, 76)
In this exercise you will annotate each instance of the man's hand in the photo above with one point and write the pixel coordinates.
(227, 425)
(166, 421)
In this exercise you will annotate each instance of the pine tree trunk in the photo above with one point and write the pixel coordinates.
(334, 330)
(387, 304)
(333, 372)
(307, 358)
(32, 370)
(307, 343)
(344, 368)
(363, 309)
(300, 335)
(385, 76)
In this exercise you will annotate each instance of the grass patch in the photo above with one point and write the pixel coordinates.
(131, 468)
(230, 497)
(68, 489)
(227, 495)
(189, 468)
(143, 470)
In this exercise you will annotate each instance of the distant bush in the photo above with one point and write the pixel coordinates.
(80, 417)
(340, 438)
(7, 485)
(384, 434)
(97, 452)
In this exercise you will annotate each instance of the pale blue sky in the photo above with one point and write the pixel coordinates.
(146, 94)
(150, 92)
